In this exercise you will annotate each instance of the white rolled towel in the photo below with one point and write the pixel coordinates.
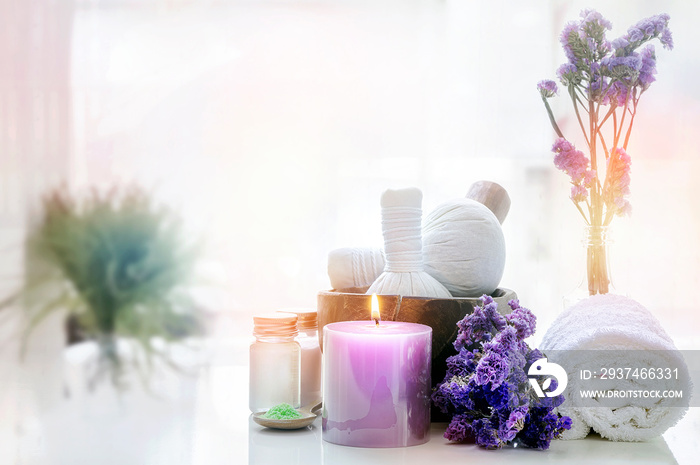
(626, 335)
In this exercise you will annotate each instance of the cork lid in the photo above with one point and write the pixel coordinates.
(307, 319)
(275, 324)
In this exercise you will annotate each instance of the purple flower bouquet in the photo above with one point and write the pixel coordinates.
(605, 81)
(486, 389)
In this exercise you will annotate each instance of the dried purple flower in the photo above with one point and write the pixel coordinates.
(592, 18)
(459, 429)
(533, 356)
(486, 434)
(541, 426)
(491, 309)
(499, 398)
(547, 88)
(573, 162)
(480, 325)
(651, 28)
(461, 364)
(474, 328)
(648, 68)
(522, 319)
(592, 27)
(620, 43)
(492, 369)
(569, 74)
(565, 423)
(514, 423)
(666, 39)
(570, 39)
(505, 342)
(486, 388)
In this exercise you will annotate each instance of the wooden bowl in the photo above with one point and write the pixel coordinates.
(440, 314)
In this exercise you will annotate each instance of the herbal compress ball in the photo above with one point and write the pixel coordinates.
(404, 273)
(464, 248)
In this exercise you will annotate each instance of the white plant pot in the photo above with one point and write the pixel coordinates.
(133, 425)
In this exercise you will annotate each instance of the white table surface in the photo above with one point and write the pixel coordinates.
(205, 420)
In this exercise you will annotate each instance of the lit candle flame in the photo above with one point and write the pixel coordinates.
(375, 309)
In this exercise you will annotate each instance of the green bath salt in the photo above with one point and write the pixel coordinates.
(282, 412)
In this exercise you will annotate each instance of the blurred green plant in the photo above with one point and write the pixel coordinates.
(120, 265)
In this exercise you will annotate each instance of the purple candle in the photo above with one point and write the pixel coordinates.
(376, 385)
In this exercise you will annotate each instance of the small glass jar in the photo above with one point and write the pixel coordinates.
(597, 278)
(275, 362)
(307, 325)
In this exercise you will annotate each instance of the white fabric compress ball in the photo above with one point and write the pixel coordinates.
(401, 227)
(464, 248)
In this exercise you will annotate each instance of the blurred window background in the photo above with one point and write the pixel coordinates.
(274, 126)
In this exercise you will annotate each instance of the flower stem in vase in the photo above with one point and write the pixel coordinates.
(597, 260)
(597, 278)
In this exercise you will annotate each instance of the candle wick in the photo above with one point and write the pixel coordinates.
(376, 321)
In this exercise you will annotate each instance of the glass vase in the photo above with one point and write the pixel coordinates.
(597, 278)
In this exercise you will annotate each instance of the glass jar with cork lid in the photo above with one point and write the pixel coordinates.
(307, 325)
(275, 362)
